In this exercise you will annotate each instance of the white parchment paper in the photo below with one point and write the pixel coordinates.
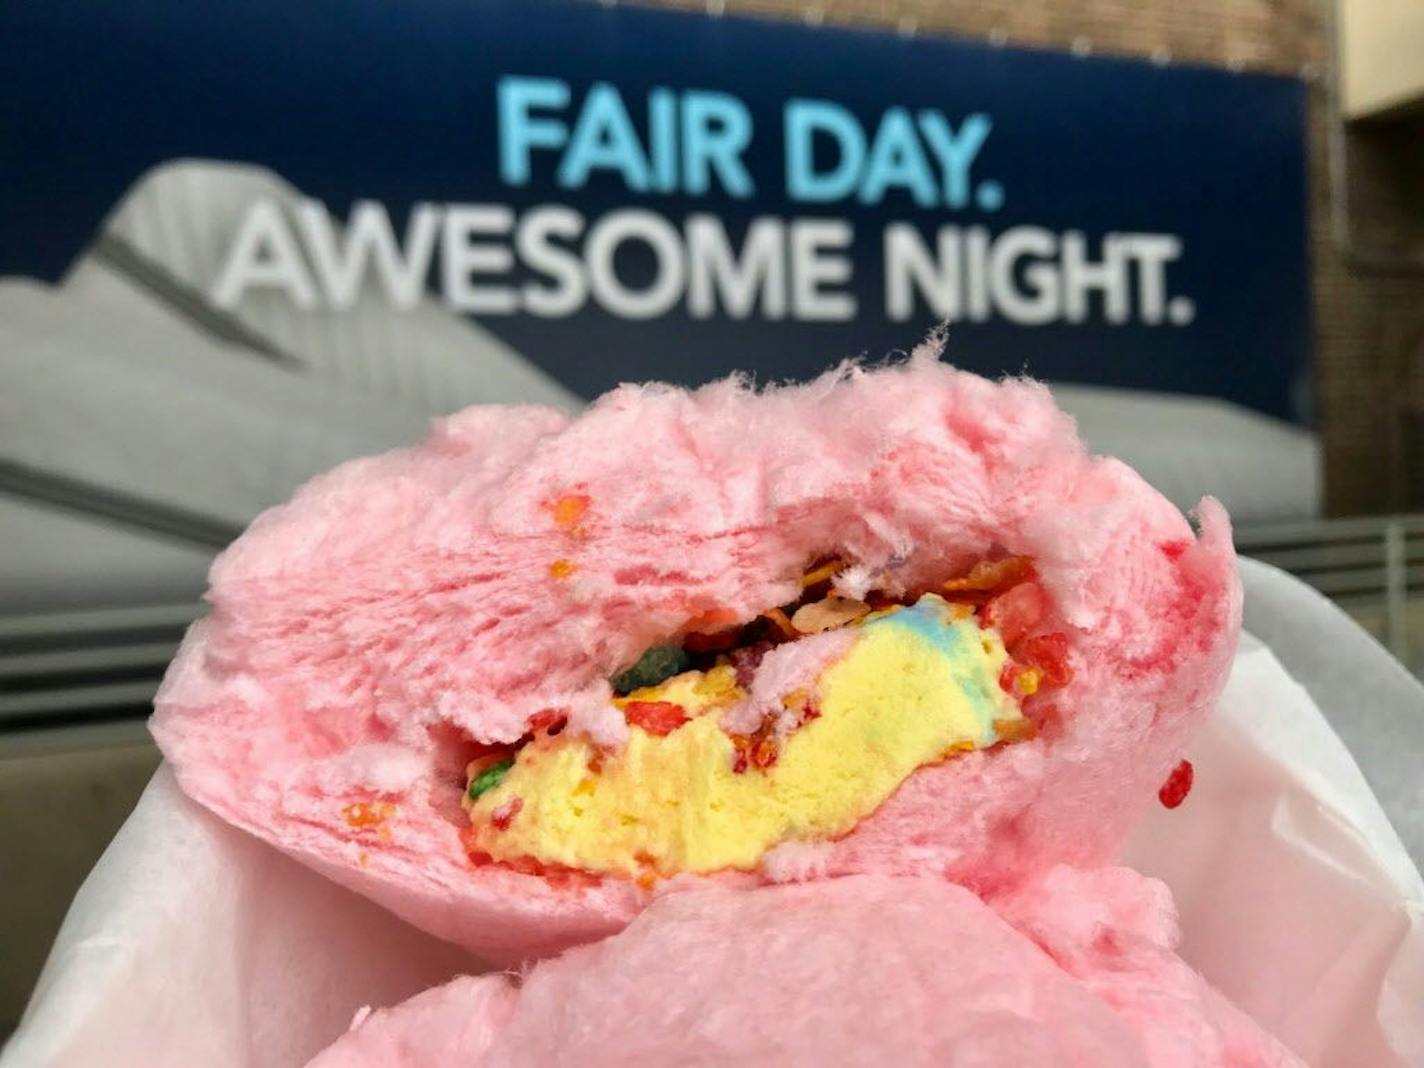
(1297, 898)
(193, 944)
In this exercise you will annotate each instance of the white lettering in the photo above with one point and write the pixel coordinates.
(1109, 277)
(714, 270)
(815, 264)
(534, 241)
(910, 267)
(369, 238)
(461, 256)
(264, 255)
(1152, 252)
(1039, 303)
(669, 274)
(976, 274)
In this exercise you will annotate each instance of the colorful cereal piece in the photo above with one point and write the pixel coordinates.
(658, 664)
(660, 718)
(989, 575)
(488, 779)
(1174, 791)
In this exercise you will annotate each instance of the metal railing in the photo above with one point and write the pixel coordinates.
(1374, 562)
(82, 666)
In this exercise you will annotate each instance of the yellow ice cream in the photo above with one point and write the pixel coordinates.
(917, 685)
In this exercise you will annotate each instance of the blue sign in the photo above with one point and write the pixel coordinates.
(626, 194)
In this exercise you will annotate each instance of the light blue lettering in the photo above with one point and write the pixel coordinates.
(955, 152)
(519, 131)
(662, 133)
(604, 139)
(716, 128)
(896, 159)
(803, 119)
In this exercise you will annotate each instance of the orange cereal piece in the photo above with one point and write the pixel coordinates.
(363, 815)
(1015, 730)
(765, 752)
(780, 621)
(569, 509)
(712, 619)
(989, 575)
(822, 572)
(562, 569)
(827, 614)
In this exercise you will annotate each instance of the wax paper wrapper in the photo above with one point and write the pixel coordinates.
(194, 944)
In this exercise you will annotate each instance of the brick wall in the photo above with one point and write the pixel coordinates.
(1369, 321)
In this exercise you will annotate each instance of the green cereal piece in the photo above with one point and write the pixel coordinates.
(488, 779)
(658, 664)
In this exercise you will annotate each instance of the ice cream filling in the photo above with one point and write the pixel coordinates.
(725, 761)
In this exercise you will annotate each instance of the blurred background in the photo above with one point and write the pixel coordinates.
(241, 244)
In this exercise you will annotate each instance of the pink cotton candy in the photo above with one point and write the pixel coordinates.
(861, 970)
(1116, 931)
(785, 669)
(448, 1026)
(404, 606)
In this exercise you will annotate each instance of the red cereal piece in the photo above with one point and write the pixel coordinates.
(524, 866)
(1174, 791)
(660, 718)
(473, 851)
(503, 816)
(550, 721)
(557, 874)
(1017, 611)
(716, 642)
(1048, 653)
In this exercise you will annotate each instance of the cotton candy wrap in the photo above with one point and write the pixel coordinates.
(865, 970)
(402, 605)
